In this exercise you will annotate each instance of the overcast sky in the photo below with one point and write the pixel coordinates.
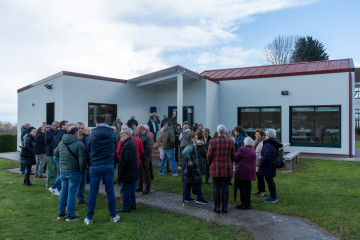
(124, 39)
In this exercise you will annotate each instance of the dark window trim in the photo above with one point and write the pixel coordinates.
(114, 115)
(239, 116)
(314, 144)
(357, 93)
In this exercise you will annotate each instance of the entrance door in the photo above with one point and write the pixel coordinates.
(50, 113)
(188, 113)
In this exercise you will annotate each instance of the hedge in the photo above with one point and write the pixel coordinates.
(8, 142)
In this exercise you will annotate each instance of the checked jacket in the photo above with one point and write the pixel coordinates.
(220, 157)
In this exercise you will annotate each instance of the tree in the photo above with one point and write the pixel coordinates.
(279, 50)
(308, 49)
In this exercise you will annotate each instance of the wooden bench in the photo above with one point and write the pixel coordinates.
(291, 159)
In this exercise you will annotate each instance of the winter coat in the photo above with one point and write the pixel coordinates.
(128, 165)
(100, 145)
(151, 127)
(22, 135)
(220, 157)
(147, 145)
(189, 154)
(68, 163)
(49, 142)
(27, 154)
(177, 133)
(245, 163)
(201, 153)
(131, 122)
(165, 120)
(207, 143)
(139, 148)
(239, 140)
(168, 138)
(40, 143)
(268, 154)
(58, 137)
(258, 152)
(117, 125)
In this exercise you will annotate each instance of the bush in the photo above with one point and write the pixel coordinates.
(8, 142)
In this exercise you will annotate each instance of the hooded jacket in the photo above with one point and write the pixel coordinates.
(268, 154)
(100, 145)
(68, 163)
(168, 138)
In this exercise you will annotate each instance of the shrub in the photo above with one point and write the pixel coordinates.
(8, 142)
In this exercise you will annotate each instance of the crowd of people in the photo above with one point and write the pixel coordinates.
(72, 156)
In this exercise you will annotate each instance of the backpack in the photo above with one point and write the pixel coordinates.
(279, 160)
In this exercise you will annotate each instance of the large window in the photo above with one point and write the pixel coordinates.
(260, 117)
(315, 126)
(109, 111)
(357, 93)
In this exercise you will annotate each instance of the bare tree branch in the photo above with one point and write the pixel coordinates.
(279, 50)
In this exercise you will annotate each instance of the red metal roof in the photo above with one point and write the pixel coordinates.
(294, 69)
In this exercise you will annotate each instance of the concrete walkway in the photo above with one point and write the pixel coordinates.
(259, 224)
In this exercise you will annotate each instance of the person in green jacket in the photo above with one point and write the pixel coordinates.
(191, 163)
(72, 165)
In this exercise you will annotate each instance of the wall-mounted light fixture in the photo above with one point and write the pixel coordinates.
(48, 86)
(285, 93)
(33, 104)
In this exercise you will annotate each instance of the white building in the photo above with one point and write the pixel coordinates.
(311, 105)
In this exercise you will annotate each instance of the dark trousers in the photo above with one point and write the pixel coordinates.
(207, 173)
(22, 168)
(245, 192)
(151, 171)
(271, 186)
(260, 182)
(196, 188)
(27, 173)
(144, 174)
(221, 183)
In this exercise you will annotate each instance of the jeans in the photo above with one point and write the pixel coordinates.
(129, 196)
(271, 186)
(40, 162)
(169, 153)
(27, 173)
(197, 187)
(57, 183)
(70, 183)
(80, 192)
(51, 171)
(22, 168)
(221, 183)
(96, 172)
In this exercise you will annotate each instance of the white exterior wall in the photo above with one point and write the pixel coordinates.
(212, 106)
(40, 96)
(307, 90)
(194, 95)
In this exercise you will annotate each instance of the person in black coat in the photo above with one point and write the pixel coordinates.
(27, 155)
(132, 121)
(153, 127)
(40, 152)
(266, 166)
(128, 170)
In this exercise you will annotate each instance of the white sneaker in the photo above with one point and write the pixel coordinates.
(54, 191)
(115, 219)
(88, 222)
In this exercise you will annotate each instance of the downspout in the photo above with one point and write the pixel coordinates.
(350, 116)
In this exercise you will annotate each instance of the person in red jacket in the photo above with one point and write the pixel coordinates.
(220, 157)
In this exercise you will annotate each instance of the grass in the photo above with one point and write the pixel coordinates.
(357, 143)
(324, 192)
(30, 213)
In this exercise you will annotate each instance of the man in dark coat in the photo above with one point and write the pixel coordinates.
(174, 118)
(165, 120)
(51, 171)
(40, 152)
(132, 121)
(128, 170)
(144, 170)
(117, 123)
(24, 130)
(153, 127)
(266, 167)
(100, 144)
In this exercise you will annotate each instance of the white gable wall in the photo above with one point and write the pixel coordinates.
(212, 106)
(306, 90)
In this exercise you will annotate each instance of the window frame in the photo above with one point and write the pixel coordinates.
(357, 92)
(313, 144)
(260, 107)
(113, 117)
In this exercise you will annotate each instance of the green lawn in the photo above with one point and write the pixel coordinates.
(325, 192)
(357, 144)
(30, 213)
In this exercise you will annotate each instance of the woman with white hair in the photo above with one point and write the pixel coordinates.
(266, 167)
(245, 172)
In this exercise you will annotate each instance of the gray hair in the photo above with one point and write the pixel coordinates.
(127, 130)
(271, 133)
(248, 141)
(221, 129)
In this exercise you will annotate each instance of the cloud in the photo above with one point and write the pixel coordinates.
(120, 39)
(357, 64)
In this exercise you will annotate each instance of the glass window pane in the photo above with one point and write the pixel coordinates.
(271, 118)
(250, 120)
(327, 124)
(107, 110)
(302, 124)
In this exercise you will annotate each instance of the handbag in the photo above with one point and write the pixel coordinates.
(279, 160)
